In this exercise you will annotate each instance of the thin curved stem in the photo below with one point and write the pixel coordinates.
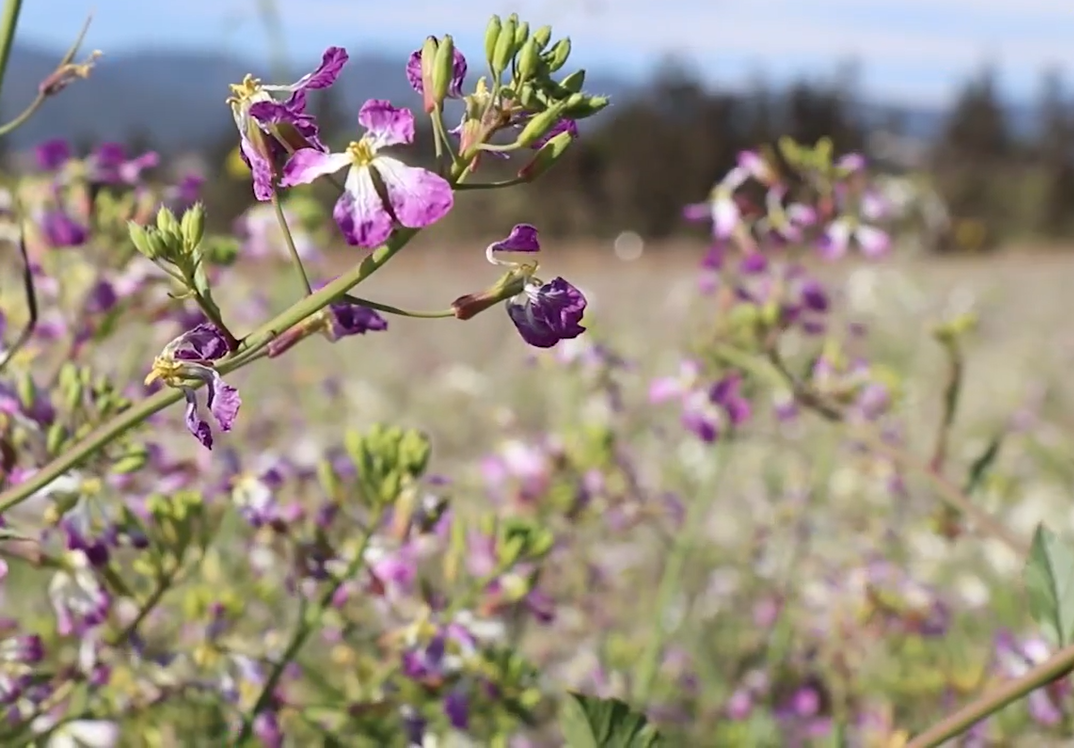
(296, 260)
(1055, 667)
(389, 309)
(253, 343)
(8, 22)
(31, 305)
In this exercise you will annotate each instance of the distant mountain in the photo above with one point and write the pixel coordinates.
(179, 96)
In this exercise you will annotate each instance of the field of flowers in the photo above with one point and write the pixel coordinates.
(786, 488)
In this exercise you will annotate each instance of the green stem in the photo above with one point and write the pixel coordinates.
(1055, 667)
(255, 342)
(23, 117)
(491, 185)
(389, 309)
(9, 19)
(307, 623)
(670, 581)
(290, 241)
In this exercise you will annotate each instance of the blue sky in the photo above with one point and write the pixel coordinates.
(914, 51)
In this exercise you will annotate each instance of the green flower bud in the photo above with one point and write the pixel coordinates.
(492, 36)
(522, 33)
(167, 222)
(193, 226)
(548, 154)
(573, 82)
(504, 51)
(158, 247)
(529, 59)
(131, 462)
(140, 238)
(328, 479)
(443, 68)
(538, 126)
(414, 451)
(542, 36)
(557, 57)
(57, 436)
(587, 107)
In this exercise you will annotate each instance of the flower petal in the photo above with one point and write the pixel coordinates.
(194, 422)
(833, 244)
(873, 241)
(307, 164)
(260, 167)
(360, 213)
(725, 216)
(418, 197)
(389, 125)
(224, 402)
(332, 62)
(523, 238)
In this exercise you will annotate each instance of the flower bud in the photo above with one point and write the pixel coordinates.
(443, 69)
(504, 50)
(140, 238)
(548, 154)
(428, 65)
(587, 107)
(538, 125)
(529, 60)
(492, 35)
(522, 33)
(542, 36)
(193, 226)
(57, 435)
(166, 221)
(131, 462)
(573, 82)
(557, 58)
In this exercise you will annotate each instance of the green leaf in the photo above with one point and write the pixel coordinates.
(1049, 579)
(590, 722)
(980, 466)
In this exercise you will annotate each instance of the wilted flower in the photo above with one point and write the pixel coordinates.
(415, 197)
(268, 132)
(189, 358)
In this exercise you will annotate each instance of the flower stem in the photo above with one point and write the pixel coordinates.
(305, 627)
(9, 19)
(670, 580)
(104, 434)
(772, 370)
(290, 241)
(1054, 667)
(389, 309)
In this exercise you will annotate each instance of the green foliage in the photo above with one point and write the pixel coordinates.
(1049, 578)
(590, 722)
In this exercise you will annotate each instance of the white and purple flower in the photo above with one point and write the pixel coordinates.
(414, 197)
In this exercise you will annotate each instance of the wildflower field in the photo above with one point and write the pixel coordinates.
(323, 480)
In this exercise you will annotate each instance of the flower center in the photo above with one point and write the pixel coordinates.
(245, 91)
(165, 369)
(361, 152)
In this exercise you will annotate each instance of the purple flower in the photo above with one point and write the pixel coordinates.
(414, 76)
(78, 599)
(546, 314)
(109, 165)
(1016, 658)
(262, 132)
(726, 393)
(721, 207)
(416, 197)
(63, 231)
(189, 358)
(53, 154)
(457, 709)
(345, 318)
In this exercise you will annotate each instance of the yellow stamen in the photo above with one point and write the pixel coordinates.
(361, 152)
(244, 91)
